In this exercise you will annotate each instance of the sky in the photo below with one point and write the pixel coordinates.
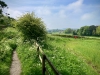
(58, 14)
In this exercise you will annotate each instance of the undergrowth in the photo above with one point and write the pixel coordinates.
(29, 61)
(7, 45)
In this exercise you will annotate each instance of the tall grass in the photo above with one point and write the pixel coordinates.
(10, 40)
(29, 61)
(64, 60)
(7, 45)
(89, 49)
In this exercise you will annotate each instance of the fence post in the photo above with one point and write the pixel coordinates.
(43, 65)
(38, 51)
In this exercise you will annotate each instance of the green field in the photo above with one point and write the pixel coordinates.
(89, 49)
(70, 56)
(86, 50)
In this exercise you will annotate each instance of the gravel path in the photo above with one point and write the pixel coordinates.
(15, 66)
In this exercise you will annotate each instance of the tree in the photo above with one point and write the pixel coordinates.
(92, 30)
(74, 32)
(98, 30)
(6, 20)
(3, 19)
(68, 31)
(80, 31)
(32, 27)
(2, 5)
(87, 30)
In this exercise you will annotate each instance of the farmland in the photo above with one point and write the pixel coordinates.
(70, 56)
(85, 51)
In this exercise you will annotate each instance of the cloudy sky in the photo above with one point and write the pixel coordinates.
(58, 14)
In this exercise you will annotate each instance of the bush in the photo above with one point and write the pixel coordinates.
(32, 27)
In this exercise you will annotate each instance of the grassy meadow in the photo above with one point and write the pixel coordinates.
(86, 50)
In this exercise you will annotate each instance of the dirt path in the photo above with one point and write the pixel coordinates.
(15, 66)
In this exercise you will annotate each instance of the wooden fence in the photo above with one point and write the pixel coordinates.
(44, 59)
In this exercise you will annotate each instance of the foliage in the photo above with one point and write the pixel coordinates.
(74, 32)
(87, 30)
(5, 58)
(2, 6)
(68, 31)
(14, 23)
(4, 20)
(98, 30)
(92, 30)
(30, 64)
(32, 27)
(7, 44)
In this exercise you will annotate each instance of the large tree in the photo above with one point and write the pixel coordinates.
(2, 6)
(3, 19)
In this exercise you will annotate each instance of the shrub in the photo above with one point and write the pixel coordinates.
(32, 27)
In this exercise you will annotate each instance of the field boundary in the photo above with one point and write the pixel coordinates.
(75, 36)
(44, 59)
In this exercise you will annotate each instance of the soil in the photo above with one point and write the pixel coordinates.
(15, 68)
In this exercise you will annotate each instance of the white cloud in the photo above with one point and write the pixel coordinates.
(62, 14)
(89, 16)
(75, 6)
(62, 11)
(44, 11)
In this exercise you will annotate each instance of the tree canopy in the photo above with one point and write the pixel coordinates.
(89, 30)
(68, 31)
(31, 26)
(98, 30)
(2, 5)
(4, 19)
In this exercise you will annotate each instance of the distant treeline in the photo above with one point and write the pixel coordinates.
(88, 31)
(83, 31)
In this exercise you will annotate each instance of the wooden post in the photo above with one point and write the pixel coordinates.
(52, 67)
(38, 51)
(43, 65)
(43, 59)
